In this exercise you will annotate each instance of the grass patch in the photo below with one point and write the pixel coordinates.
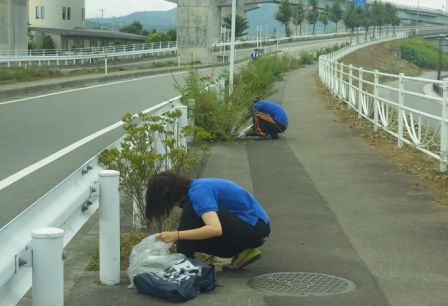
(11, 75)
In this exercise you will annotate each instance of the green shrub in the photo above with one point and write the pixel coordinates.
(222, 114)
(422, 53)
(48, 42)
(139, 157)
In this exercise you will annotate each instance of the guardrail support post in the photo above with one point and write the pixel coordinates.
(48, 268)
(109, 227)
(444, 128)
(183, 122)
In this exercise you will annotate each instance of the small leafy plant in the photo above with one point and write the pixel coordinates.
(152, 144)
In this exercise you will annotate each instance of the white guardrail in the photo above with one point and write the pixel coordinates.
(31, 244)
(406, 107)
(66, 57)
(81, 56)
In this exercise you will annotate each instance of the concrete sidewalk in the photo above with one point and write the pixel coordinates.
(337, 209)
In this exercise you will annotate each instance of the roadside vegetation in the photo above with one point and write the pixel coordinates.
(386, 57)
(374, 17)
(217, 113)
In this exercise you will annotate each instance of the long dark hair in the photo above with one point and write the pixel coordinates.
(164, 190)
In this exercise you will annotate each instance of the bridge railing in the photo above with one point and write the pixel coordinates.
(405, 107)
(62, 212)
(82, 55)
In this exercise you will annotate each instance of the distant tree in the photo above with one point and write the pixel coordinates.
(366, 20)
(284, 15)
(134, 28)
(391, 16)
(48, 42)
(31, 42)
(157, 37)
(172, 35)
(313, 14)
(298, 16)
(352, 17)
(241, 24)
(336, 13)
(324, 16)
(377, 13)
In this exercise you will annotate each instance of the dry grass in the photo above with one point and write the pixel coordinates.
(383, 57)
(422, 167)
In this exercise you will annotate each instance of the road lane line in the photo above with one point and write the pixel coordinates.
(51, 158)
(89, 87)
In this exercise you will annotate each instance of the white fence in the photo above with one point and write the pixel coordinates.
(80, 56)
(29, 249)
(405, 107)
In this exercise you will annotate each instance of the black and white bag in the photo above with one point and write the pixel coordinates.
(180, 282)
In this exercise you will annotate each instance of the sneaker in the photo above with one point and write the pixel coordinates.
(243, 259)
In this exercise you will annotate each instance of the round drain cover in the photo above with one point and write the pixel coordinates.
(301, 284)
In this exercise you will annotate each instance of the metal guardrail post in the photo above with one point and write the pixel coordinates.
(444, 128)
(400, 110)
(48, 268)
(109, 227)
(183, 122)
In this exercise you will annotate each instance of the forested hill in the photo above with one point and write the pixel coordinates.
(166, 20)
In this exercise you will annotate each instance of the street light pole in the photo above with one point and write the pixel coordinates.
(446, 8)
(439, 65)
(418, 9)
(232, 47)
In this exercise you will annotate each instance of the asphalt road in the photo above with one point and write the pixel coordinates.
(36, 127)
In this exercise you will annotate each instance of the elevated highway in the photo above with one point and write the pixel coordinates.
(199, 22)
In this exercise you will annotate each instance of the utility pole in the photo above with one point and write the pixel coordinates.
(446, 8)
(102, 17)
(232, 47)
(418, 9)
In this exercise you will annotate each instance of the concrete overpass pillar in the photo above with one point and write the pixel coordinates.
(13, 24)
(198, 23)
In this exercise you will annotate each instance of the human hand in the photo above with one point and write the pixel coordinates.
(167, 237)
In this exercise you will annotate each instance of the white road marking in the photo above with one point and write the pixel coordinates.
(85, 88)
(36, 166)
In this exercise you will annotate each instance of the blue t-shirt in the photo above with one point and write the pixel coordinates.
(212, 194)
(272, 109)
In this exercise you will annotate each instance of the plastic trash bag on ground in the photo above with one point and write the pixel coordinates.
(150, 255)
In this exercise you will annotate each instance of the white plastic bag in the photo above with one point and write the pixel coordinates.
(150, 255)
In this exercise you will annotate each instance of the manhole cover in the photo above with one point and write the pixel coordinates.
(301, 284)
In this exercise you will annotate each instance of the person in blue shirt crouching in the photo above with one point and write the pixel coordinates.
(218, 218)
(268, 120)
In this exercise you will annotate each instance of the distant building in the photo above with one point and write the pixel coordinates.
(65, 22)
(57, 14)
(13, 25)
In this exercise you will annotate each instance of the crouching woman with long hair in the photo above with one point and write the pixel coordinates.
(219, 217)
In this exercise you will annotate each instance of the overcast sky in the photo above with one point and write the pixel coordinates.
(125, 7)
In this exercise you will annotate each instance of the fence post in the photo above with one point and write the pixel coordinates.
(341, 82)
(109, 227)
(48, 268)
(375, 101)
(360, 81)
(350, 82)
(444, 128)
(400, 110)
(105, 64)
